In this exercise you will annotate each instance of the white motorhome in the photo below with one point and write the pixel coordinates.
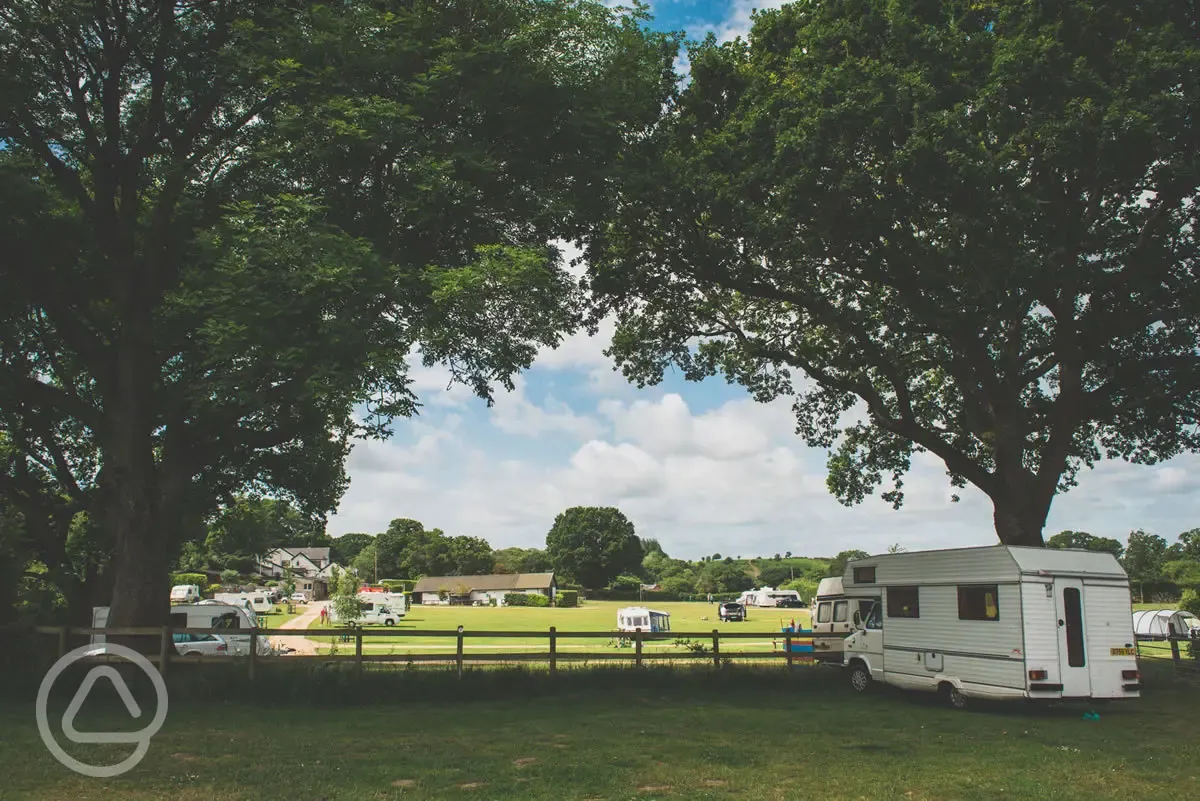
(833, 618)
(374, 613)
(234, 621)
(994, 622)
(768, 596)
(393, 600)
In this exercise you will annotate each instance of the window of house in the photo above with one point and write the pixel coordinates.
(823, 612)
(864, 575)
(903, 602)
(841, 611)
(978, 602)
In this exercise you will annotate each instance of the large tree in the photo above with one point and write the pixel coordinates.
(961, 228)
(592, 545)
(228, 224)
(1145, 556)
(1088, 542)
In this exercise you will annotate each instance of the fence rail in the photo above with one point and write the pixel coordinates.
(709, 647)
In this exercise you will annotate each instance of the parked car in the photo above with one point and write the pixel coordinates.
(789, 603)
(299, 598)
(731, 611)
(199, 644)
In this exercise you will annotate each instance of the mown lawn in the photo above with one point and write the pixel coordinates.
(757, 738)
(592, 616)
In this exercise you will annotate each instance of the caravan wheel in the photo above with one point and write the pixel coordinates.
(860, 677)
(955, 697)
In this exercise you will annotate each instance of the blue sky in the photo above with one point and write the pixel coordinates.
(701, 467)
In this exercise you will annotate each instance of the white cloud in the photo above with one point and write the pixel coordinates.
(515, 413)
(738, 21)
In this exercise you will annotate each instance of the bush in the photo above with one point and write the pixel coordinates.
(523, 599)
(212, 590)
(567, 598)
(398, 585)
(199, 579)
(1190, 602)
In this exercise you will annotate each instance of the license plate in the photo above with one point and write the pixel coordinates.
(1122, 651)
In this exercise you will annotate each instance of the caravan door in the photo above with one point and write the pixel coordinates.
(1072, 649)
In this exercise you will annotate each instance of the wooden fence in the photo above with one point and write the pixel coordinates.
(793, 647)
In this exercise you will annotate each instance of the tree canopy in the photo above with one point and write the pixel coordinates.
(592, 545)
(961, 228)
(1088, 542)
(229, 224)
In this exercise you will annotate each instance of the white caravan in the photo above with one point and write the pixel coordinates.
(832, 618)
(767, 596)
(185, 593)
(995, 622)
(235, 623)
(257, 602)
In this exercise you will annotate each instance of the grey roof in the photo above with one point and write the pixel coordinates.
(497, 581)
(315, 555)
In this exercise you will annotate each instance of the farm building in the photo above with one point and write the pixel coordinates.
(443, 590)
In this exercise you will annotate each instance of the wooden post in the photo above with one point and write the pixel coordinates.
(164, 651)
(553, 650)
(1174, 651)
(458, 658)
(62, 641)
(637, 641)
(358, 647)
(716, 648)
(787, 643)
(253, 652)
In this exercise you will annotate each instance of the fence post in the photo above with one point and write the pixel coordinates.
(787, 643)
(62, 641)
(553, 650)
(1174, 651)
(164, 651)
(459, 657)
(637, 641)
(358, 647)
(253, 652)
(716, 648)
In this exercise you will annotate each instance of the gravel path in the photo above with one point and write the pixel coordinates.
(301, 645)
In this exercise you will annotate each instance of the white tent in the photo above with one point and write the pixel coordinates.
(1159, 624)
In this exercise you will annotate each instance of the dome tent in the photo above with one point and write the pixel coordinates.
(1161, 624)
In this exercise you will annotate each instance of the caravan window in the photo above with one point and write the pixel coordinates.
(864, 575)
(841, 611)
(179, 620)
(823, 612)
(903, 602)
(226, 621)
(978, 602)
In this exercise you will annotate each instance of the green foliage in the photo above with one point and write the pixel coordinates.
(975, 220)
(230, 576)
(566, 598)
(212, 589)
(251, 527)
(1143, 559)
(1081, 539)
(347, 608)
(1183, 573)
(1190, 601)
(199, 579)
(264, 224)
(722, 577)
(398, 585)
(1189, 544)
(837, 566)
(348, 546)
(806, 587)
(625, 582)
(521, 560)
(592, 545)
(525, 599)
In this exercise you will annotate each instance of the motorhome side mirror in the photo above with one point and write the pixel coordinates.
(858, 621)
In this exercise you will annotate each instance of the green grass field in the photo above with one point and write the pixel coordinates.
(761, 736)
(592, 616)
